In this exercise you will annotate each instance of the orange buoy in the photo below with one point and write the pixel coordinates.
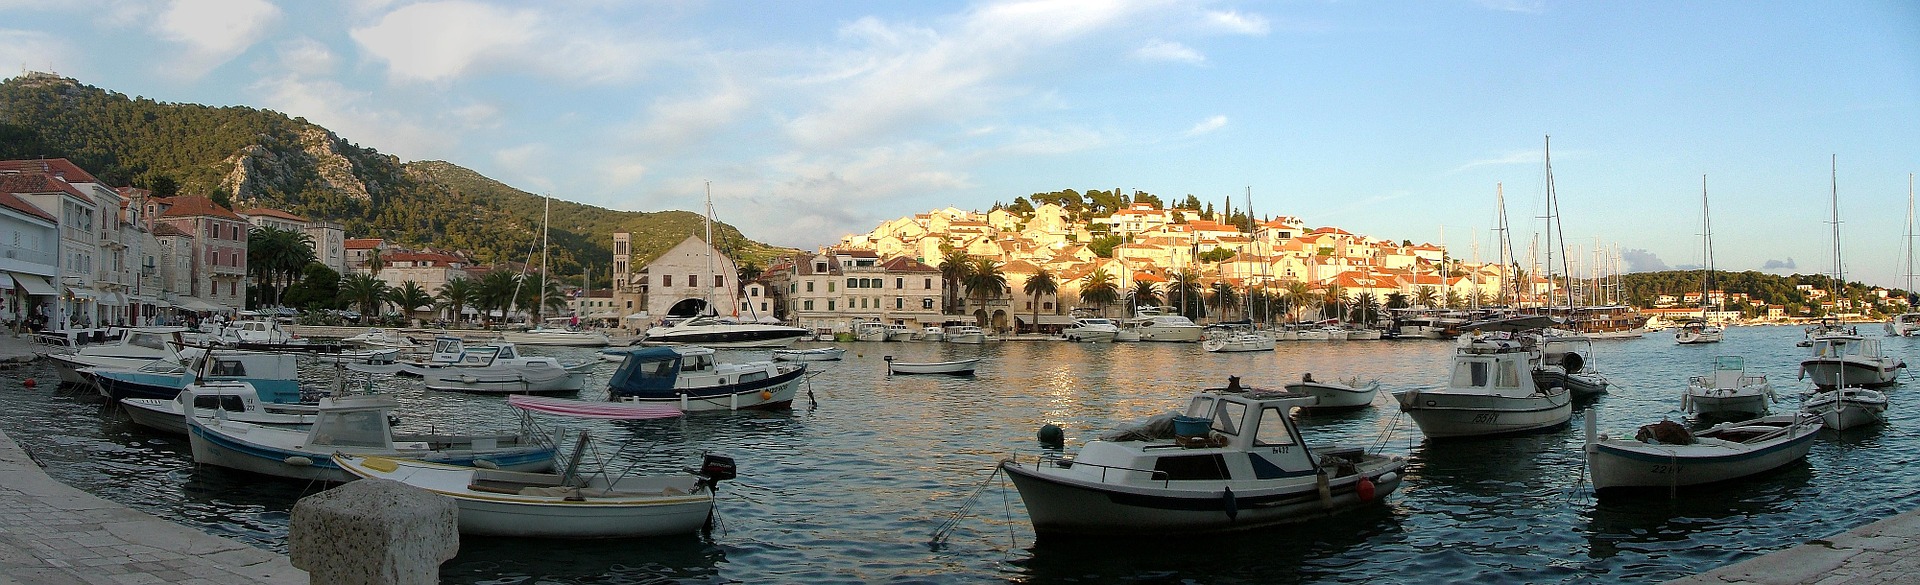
(765, 395)
(29, 383)
(1365, 488)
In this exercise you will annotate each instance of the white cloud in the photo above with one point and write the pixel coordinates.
(213, 31)
(1036, 141)
(1207, 125)
(1234, 22)
(353, 115)
(685, 121)
(1521, 6)
(305, 56)
(477, 115)
(622, 173)
(440, 41)
(531, 162)
(1161, 50)
(1510, 158)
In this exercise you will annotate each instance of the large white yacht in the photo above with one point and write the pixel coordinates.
(714, 331)
(1094, 329)
(1151, 324)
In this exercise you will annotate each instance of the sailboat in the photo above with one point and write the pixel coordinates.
(711, 330)
(1907, 324)
(542, 334)
(1841, 357)
(1703, 331)
(1241, 336)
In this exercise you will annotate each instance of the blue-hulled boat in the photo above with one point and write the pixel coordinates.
(690, 378)
(276, 376)
(354, 425)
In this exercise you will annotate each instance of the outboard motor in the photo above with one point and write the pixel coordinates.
(715, 469)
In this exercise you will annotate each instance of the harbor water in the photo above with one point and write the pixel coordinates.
(852, 484)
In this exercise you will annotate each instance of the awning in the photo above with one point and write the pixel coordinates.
(640, 316)
(196, 304)
(83, 293)
(112, 298)
(36, 285)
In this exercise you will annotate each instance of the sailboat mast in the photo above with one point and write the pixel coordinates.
(1834, 198)
(708, 295)
(1505, 245)
(1910, 238)
(540, 298)
(1706, 250)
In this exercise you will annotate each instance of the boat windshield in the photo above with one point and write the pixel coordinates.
(1201, 407)
(1273, 428)
(1478, 374)
(1227, 417)
(354, 428)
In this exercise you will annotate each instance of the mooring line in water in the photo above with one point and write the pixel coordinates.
(946, 529)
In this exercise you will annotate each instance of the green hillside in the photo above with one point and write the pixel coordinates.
(248, 157)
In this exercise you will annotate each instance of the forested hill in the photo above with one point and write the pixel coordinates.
(1643, 288)
(248, 157)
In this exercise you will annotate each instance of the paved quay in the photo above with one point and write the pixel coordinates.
(1887, 551)
(53, 534)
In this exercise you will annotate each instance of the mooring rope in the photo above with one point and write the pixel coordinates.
(947, 527)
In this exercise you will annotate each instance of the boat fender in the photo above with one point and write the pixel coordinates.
(485, 464)
(29, 383)
(1365, 489)
(1387, 477)
(765, 395)
(1572, 362)
(298, 461)
(1232, 504)
(1326, 490)
(1051, 435)
(468, 379)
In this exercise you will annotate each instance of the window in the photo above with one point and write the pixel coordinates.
(1227, 418)
(829, 304)
(899, 283)
(928, 285)
(1470, 374)
(808, 304)
(829, 286)
(693, 280)
(926, 302)
(666, 280)
(809, 286)
(899, 303)
(719, 281)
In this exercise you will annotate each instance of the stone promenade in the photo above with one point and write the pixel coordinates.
(52, 534)
(1887, 551)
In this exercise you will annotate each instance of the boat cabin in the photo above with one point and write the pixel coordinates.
(1248, 435)
(1492, 366)
(1841, 346)
(353, 421)
(449, 350)
(276, 376)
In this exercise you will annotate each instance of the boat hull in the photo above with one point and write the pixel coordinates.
(1619, 464)
(470, 381)
(1337, 395)
(1849, 371)
(1849, 408)
(1062, 505)
(676, 505)
(219, 445)
(771, 393)
(1443, 415)
(957, 367)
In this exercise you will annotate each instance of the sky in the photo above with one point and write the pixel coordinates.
(813, 120)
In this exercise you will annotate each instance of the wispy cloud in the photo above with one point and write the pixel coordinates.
(451, 39)
(1234, 22)
(1511, 158)
(1522, 6)
(212, 31)
(1169, 51)
(305, 56)
(1207, 125)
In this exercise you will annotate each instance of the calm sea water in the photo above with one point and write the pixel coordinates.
(850, 486)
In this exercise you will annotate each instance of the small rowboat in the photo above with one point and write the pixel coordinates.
(1666, 456)
(1335, 394)
(1848, 407)
(817, 354)
(958, 367)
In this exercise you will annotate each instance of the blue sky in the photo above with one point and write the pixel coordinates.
(818, 119)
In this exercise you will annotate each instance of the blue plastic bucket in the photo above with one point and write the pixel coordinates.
(1191, 426)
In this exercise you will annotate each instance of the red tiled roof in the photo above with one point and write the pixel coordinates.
(905, 264)
(363, 243)
(167, 229)
(9, 201)
(196, 206)
(36, 183)
(72, 172)
(263, 211)
(429, 259)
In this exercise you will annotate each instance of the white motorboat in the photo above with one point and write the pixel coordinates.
(816, 354)
(1311, 334)
(1235, 337)
(558, 336)
(377, 337)
(579, 501)
(899, 332)
(689, 378)
(236, 401)
(1332, 333)
(1489, 393)
(931, 333)
(714, 331)
(1153, 325)
(1559, 361)
(1841, 360)
(966, 334)
(252, 334)
(507, 373)
(1126, 335)
(1903, 325)
(136, 347)
(1847, 408)
(1824, 327)
(1728, 391)
(1666, 456)
(354, 425)
(1091, 329)
(1363, 334)
(1234, 461)
(957, 367)
(1698, 332)
(1333, 395)
(870, 331)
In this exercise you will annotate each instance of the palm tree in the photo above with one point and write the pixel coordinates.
(1098, 288)
(1144, 293)
(276, 258)
(1223, 298)
(374, 262)
(496, 292)
(1040, 284)
(1186, 287)
(953, 274)
(1300, 297)
(1264, 304)
(1425, 297)
(1397, 300)
(457, 294)
(364, 291)
(985, 280)
(1366, 308)
(409, 297)
(1453, 299)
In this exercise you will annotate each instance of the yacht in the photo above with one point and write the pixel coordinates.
(1697, 332)
(1236, 337)
(1842, 360)
(965, 334)
(1728, 392)
(931, 333)
(715, 331)
(135, 348)
(870, 331)
(560, 336)
(1092, 329)
(1153, 326)
(899, 332)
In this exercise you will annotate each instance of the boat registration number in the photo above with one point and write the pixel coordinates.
(1487, 418)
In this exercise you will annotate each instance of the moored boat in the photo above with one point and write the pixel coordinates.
(557, 336)
(358, 425)
(1489, 393)
(1234, 461)
(1235, 337)
(691, 379)
(956, 367)
(815, 354)
(1091, 329)
(1332, 395)
(1847, 408)
(1728, 392)
(966, 334)
(1666, 456)
(237, 401)
(1841, 360)
(136, 347)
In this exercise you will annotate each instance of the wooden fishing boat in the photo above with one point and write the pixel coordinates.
(957, 367)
